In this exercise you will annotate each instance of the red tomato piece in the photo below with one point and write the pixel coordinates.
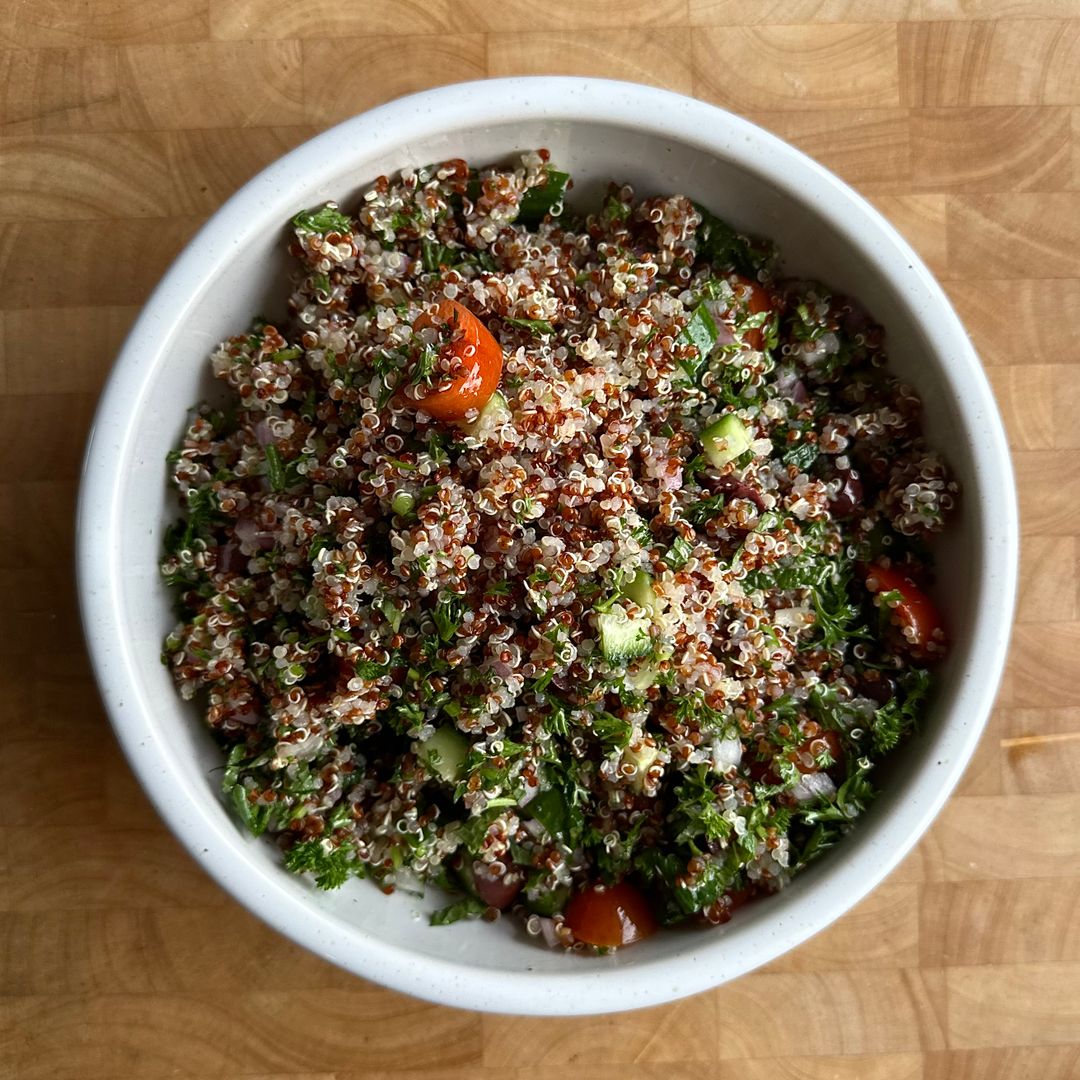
(756, 301)
(610, 915)
(476, 363)
(915, 612)
(827, 740)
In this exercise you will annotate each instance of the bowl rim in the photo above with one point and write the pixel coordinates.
(597, 988)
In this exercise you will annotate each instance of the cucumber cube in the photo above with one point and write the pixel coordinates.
(725, 440)
(444, 753)
(623, 638)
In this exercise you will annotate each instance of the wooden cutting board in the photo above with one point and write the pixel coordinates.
(123, 123)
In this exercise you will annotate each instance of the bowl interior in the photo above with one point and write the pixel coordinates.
(242, 271)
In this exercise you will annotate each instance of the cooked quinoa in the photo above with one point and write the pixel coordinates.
(633, 630)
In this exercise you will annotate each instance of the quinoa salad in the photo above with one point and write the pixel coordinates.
(574, 563)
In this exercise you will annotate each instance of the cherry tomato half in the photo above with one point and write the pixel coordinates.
(756, 302)
(915, 611)
(610, 915)
(476, 363)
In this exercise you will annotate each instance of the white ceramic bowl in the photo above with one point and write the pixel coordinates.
(235, 267)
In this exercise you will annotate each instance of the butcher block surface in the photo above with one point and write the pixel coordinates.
(123, 124)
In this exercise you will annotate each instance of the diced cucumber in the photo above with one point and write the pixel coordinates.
(623, 638)
(640, 590)
(444, 753)
(725, 440)
(644, 676)
(642, 759)
(494, 413)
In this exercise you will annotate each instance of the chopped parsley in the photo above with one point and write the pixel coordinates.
(468, 908)
(327, 219)
(678, 554)
(331, 866)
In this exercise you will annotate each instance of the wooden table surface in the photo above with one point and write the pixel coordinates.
(123, 123)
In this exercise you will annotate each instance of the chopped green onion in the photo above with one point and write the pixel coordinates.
(537, 326)
(275, 470)
(435, 255)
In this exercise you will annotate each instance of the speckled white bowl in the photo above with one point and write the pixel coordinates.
(661, 143)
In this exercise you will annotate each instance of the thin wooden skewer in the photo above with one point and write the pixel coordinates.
(1035, 740)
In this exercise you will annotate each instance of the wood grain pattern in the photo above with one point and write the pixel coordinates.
(791, 67)
(657, 56)
(345, 77)
(123, 124)
(869, 148)
(1001, 149)
(38, 24)
(991, 62)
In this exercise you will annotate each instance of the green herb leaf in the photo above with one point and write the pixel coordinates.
(368, 669)
(255, 816)
(549, 808)
(693, 467)
(203, 513)
(328, 219)
(700, 332)
(726, 249)
(447, 616)
(678, 553)
(898, 717)
(390, 388)
(611, 729)
(537, 202)
(425, 365)
(615, 209)
(837, 616)
(802, 455)
(856, 793)
(332, 866)
(665, 873)
(483, 259)
(821, 839)
(806, 325)
(468, 908)
(705, 509)
(318, 543)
